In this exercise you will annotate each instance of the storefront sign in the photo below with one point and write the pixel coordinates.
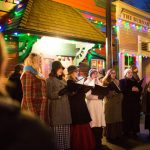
(135, 19)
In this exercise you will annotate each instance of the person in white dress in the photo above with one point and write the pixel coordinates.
(96, 108)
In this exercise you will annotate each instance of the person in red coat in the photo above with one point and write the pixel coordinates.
(34, 88)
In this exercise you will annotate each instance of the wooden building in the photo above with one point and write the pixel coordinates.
(133, 32)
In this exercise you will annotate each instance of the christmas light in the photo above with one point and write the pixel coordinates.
(9, 21)
(18, 2)
(16, 33)
(129, 25)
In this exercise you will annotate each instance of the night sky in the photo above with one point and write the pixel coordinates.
(141, 4)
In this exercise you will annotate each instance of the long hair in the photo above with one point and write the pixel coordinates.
(3, 63)
(107, 79)
(31, 60)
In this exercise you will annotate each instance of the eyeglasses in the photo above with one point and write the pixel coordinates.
(113, 72)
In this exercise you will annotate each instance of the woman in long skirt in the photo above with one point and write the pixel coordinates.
(81, 133)
(96, 108)
(113, 107)
(59, 108)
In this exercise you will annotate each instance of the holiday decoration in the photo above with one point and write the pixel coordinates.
(133, 26)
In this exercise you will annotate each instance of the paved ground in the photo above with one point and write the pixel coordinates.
(129, 143)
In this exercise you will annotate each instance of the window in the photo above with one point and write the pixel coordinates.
(129, 60)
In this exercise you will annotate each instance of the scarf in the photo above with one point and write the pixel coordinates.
(34, 72)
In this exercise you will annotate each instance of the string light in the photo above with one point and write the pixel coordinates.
(133, 55)
(95, 21)
(9, 21)
(128, 25)
(16, 33)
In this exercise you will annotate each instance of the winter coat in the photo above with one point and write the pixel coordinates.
(59, 108)
(130, 105)
(113, 106)
(79, 110)
(34, 96)
(15, 91)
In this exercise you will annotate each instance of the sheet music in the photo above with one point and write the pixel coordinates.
(81, 81)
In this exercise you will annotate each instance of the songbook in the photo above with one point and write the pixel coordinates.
(114, 87)
(81, 81)
(100, 90)
(85, 88)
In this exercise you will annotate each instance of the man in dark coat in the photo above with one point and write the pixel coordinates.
(15, 88)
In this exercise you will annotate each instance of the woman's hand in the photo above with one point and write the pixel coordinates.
(135, 89)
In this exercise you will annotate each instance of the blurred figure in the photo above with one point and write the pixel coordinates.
(81, 133)
(34, 88)
(18, 130)
(131, 103)
(101, 74)
(96, 108)
(135, 73)
(83, 71)
(59, 108)
(113, 107)
(146, 105)
(15, 87)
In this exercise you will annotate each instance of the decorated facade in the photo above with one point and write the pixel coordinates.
(133, 32)
(51, 34)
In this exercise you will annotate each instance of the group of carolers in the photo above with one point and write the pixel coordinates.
(77, 116)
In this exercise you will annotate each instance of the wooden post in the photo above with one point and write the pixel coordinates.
(109, 54)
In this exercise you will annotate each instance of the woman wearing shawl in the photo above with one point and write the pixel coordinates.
(34, 88)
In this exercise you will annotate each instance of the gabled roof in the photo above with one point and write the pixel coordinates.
(51, 18)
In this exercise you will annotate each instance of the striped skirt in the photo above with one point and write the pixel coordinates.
(62, 136)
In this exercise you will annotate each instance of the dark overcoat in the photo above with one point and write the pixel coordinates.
(130, 105)
(79, 110)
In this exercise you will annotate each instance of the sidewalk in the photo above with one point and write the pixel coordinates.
(129, 143)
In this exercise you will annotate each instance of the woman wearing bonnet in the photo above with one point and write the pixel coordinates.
(131, 103)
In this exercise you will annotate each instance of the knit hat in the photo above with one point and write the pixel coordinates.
(72, 69)
(57, 65)
(91, 71)
(126, 71)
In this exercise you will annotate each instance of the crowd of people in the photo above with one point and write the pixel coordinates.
(74, 116)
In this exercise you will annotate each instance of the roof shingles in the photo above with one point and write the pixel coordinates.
(56, 19)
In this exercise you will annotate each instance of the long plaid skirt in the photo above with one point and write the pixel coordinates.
(62, 136)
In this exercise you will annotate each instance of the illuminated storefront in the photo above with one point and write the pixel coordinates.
(133, 32)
